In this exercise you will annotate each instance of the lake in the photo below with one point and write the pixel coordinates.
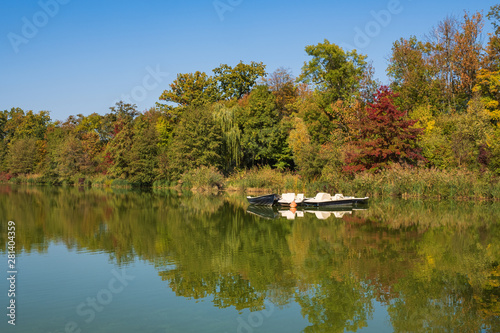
(92, 260)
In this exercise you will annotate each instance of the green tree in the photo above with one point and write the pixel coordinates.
(196, 141)
(234, 83)
(71, 158)
(22, 156)
(488, 86)
(118, 149)
(488, 78)
(125, 113)
(143, 155)
(470, 135)
(192, 89)
(492, 60)
(306, 154)
(336, 73)
(227, 118)
(411, 75)
(317, 120)
(264, 131)
(32, 125)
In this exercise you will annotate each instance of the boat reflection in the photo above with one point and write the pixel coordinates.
(266, 212)
(321, 213)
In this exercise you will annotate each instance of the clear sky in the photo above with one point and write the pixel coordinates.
(82, 56)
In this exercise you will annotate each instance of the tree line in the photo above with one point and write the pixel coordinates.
(441, 110)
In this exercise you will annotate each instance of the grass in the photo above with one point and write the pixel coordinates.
(426, 183)
(264, 179)
(395, 182)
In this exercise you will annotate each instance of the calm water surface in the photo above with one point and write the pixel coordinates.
(111, 261)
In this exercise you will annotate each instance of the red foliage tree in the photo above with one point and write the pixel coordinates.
(385, 136)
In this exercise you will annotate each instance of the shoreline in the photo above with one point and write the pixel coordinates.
(428, 185)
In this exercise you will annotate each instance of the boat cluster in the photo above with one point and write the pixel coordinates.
(293, 200)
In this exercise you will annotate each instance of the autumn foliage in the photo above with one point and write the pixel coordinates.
(442, 109)
(384, 136)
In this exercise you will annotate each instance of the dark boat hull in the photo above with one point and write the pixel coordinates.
(266, 212)
(263, 200)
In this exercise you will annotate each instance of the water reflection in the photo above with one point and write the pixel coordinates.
(321, 213)
(432, 265)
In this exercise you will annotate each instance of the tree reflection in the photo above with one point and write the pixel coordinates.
(433, 265)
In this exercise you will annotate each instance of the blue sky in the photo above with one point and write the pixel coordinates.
(81, 56)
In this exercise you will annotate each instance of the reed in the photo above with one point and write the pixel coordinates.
(425, 183)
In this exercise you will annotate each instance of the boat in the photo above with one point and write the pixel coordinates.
(263, 200)
(266, 212)
(287, 198)
(325, 199)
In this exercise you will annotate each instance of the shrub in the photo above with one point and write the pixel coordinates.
(203, 178)
(120, 183)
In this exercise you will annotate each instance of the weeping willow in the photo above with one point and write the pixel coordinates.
(231, 135)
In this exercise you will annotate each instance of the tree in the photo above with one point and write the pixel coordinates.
(234, 83)
(441, 47)
(125, 113)
(367, 84)
(282, 84)
(118, 149)
(467, 55)
(71, 158)
(22, 156)
(470, 138)
(306, 154)
(227, 119)
(334, 72)
(488, 78)
(196, 141)
(117, 153)
(488, 86)
(317, 120)
(144, 151)
(411, 74)
(264, 132)
(385, 137)
(493, 50)
(192, 89)
(15, 125)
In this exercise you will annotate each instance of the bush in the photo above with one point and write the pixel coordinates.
(163, 183)
(203, 178)
(120, 183)
(5, 176)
